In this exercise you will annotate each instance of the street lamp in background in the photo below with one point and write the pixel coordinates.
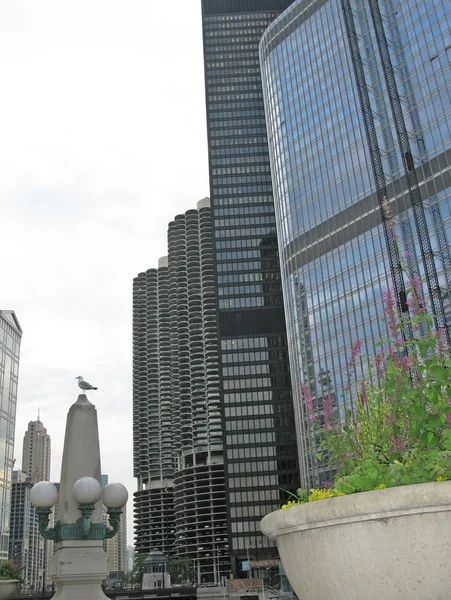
(79, 565)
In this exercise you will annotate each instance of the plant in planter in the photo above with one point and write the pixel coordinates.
(10, 577)
(390, 542)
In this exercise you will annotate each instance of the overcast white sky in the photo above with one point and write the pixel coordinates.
(102, 143)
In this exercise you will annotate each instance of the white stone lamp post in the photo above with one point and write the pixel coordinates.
(79, 565)
(86, 491)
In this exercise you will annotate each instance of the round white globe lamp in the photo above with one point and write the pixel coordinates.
(87, 490)
(44, 495)
(115, 495)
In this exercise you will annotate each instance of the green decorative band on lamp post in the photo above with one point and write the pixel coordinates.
(87, 491)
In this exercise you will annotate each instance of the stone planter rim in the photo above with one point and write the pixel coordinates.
(362, 506)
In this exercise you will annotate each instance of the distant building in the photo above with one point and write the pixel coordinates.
(26, 545)
(116, 547)
(10, 336)
(35, 467)
(36, 452)
(130, 558)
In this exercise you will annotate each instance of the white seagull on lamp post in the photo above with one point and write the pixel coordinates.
(84, 385)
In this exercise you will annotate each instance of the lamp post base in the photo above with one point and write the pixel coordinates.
(78, 569)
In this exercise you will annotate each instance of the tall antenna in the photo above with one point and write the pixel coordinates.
(39, 413)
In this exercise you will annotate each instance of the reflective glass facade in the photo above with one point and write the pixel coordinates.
(257, 411)
(10, 336)
(333, 251)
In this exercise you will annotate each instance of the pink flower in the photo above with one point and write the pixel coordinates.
(390, 312)
(415, 301)
(308, 399)
(363, 393)
(328, 411)
(355, 351)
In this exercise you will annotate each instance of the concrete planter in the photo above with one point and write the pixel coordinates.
(8, 587)
(391, 544)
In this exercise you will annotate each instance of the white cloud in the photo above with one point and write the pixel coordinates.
(103, 143)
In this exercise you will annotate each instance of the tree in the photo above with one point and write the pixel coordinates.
(181, 570)
(136, 574)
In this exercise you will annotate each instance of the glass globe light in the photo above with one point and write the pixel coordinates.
(115, 495)
(44, 495)
(87, 490)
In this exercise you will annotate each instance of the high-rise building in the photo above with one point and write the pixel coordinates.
(256, 401)
(10, 336)
(26, 545)
(176, 330)
(359, 122)
(152, 428)
(36, 465)
(36, 452)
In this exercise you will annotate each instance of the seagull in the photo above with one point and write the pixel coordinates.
(84, 385)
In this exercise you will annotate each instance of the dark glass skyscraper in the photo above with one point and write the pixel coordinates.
(257, 412)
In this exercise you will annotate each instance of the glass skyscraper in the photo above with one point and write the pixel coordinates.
(357, 98)
(10, 336)
(260, 456)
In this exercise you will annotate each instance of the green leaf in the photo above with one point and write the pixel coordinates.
(438, 372)
(432, 440)
(419, 411)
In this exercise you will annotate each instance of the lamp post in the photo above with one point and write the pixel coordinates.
(79, 565)
(86, 491)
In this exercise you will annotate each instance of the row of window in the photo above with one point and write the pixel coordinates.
(255, 437)
(232, 141)
(239, 266)
(273, 341)
(251, 382)
(238, 254)
(238, 170)
(245, 277)
(253, 481)
(251, 424)
(251, 301)
(236, 108)
(245, 461)
(234, 75)
(249, 160)
(270, 220)
(244, 191)
(238, 20)
(227, 81)
(246, 511)
(220, 103)
(232, 133)
(220, 89)
(261, 152)
(248, 410)
(247, 111)
(247, 369)
(239, 243)
(259, 369)
(242, 63)
(249, 231)
(244, 42)
(268, 207)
